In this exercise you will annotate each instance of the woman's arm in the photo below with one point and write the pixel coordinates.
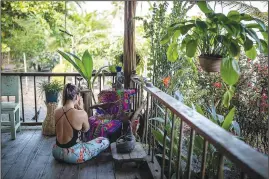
(85, 124)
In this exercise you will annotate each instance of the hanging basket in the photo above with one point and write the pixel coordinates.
(210, 64)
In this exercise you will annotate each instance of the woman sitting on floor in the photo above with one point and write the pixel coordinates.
(70, 121)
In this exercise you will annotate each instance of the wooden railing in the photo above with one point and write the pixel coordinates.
(250, 162)
(34, 75)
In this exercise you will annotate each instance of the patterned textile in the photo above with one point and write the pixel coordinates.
(80, 152)
(103, 127)
(128, 94)
(107, 96)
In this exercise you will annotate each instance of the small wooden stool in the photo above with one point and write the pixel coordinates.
(138, 155)
(48, 125)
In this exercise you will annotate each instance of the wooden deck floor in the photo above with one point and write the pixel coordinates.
(30, 157)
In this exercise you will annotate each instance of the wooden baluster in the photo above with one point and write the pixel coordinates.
(190, 153)
(179, 150)
(164, 144)
(203, 167)
(171, 147)
(220, 166)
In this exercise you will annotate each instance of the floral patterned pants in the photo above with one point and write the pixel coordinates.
(80, 152)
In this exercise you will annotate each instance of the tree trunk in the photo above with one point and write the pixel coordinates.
(129, 57)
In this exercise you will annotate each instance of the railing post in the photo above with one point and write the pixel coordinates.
(154, 125)
(203, 168)
(220, 166)
(179, 150)
(64, 80)
(190, 154)
(100, 84)
(171, 147)
(164, 144)
(35, 99)
(146, 122)
(22, 104)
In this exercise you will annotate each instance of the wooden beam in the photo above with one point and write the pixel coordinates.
(129, 57)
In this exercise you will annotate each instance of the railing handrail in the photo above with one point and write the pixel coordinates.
(252, 162)
(50, 74)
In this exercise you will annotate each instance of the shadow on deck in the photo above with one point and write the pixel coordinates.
(30, 157)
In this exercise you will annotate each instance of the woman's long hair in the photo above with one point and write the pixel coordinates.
(70, 92)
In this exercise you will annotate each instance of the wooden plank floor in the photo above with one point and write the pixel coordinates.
(30, 157)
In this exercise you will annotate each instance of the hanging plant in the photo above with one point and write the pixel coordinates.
(217, 41)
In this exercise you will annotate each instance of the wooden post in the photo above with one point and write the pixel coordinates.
(129, 57)
(25, 69)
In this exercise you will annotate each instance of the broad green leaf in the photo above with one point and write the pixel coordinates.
(79, 64)
(204, 7)
(159, 119)
(248, 44)
(191, 48)
(251, 53)
(198, 145)
(229, 71)
(228, 119)
(184, 29)
(199, 109)
(261, 23)
(221, 17)
(234, 15)
(235, 126)
(265, 36)
(166, 38)
(67, 57)
(159, 135)
(253, 25)
(246, 17)
(172, 53)
(253, 35)
(226, 99)
(176, 35)
(234, 48)
(232, 89)
(264, 47)
(201, 24)
(88, 64)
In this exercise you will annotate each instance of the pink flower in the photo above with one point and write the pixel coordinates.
(217, 85)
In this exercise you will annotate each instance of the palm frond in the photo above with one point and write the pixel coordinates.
(246, 8)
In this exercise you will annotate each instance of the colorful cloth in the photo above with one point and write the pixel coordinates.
(101, 127)
(107, 96)
(80, 152)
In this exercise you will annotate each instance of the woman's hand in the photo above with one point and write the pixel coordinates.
(80, 103)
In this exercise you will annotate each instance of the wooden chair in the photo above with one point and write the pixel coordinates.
(10, 87)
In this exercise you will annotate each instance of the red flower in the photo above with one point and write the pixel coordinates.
(166, 81)
(217, 85)
(264, 96)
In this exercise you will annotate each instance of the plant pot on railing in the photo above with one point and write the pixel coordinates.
(51, 96)
(210, 63)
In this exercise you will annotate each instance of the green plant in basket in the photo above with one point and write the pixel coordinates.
(218, 41)
(51, 90)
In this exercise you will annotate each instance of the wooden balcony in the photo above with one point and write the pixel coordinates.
(29, 156)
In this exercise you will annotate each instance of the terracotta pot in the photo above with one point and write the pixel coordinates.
(210, 64)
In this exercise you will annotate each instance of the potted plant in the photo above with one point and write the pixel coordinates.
(84, 66)
(51, 90)
(218, 36)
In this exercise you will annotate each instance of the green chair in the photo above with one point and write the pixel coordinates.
(10, 87)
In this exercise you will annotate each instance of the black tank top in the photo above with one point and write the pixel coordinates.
(76, 134)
